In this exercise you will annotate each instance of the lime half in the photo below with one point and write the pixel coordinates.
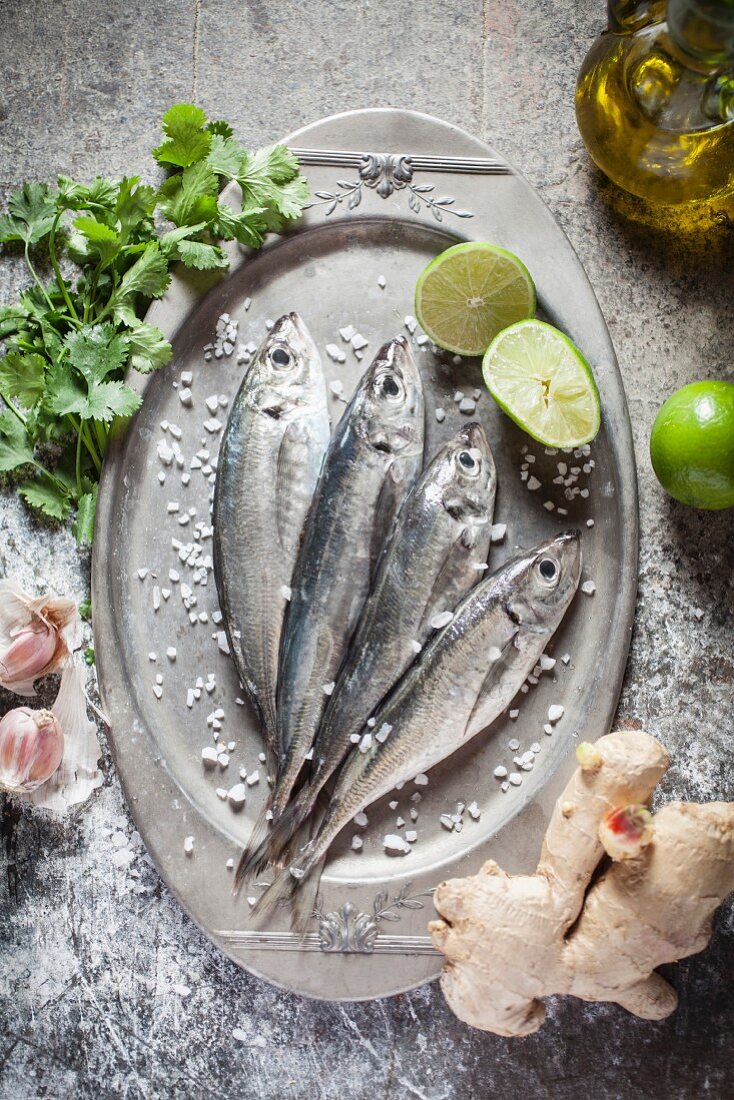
(469, 293)
(541, 379)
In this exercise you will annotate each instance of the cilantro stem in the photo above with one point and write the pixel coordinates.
(54, 480)
(13, 409)
(89, 443)
(34, 273)
(79, 462)
(57, 270)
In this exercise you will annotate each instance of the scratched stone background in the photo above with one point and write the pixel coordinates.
(108, 989)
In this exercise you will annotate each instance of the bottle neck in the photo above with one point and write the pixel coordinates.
(703, 31)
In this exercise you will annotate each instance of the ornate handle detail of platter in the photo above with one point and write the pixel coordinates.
(385, 173)
(345, 930)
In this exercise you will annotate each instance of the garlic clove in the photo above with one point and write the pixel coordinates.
(28, 627)
(31, 748)
(31, 651)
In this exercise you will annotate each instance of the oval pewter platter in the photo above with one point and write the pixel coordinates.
(390, 190)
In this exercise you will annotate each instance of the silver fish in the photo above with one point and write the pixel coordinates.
(433, 558)
(271, 454)
(464, 679)
(372, 461)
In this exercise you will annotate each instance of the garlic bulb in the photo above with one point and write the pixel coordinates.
(31, 748)
(37, 636)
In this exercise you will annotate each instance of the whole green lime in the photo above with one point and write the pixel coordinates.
(692, 445)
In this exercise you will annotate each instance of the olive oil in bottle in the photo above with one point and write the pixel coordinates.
(655, 99)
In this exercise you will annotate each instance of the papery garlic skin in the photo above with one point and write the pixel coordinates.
(31, 749)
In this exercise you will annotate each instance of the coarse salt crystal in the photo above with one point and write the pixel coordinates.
(555, 712)
(547, 663)
(357, 843)
(337, 387)
(513, 745)
(442, 619)
(514, 713)
(365, 743)
(171, 653)
(500, 772)
(395, 844)
(209, 756)
(494, 653)
(440, 415)
(499, 531)
(358, 341)
(421, 780)
(533, 484)
(588, 588)
(410, 323)
(328, 689)
(286, 591)
(188, 845)
(236, 796)
(360, 819)
(515, 779)
(381, 281)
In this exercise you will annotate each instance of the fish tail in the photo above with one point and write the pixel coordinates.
(288, 824)
(304, 899)
(255, 842)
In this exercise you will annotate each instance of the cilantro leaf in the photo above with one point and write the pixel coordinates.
(96, 351)
(104, 241)
(66, 392)
(147, 276)
(189, 141)
(11, 319)
(134, 208)
(221, 127)
(149, 349)
(31, 214)
(226, 156)
(47, 497)
(22, 376)
(192, 196)
(106, 400)
(78, 196)
(247, 228)
(204, 257)
(15, 447)
(290, 198)
(169, 240)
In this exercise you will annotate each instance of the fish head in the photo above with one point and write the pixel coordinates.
(543, 581)
(467, 475)
(392, 413)
(286, 374)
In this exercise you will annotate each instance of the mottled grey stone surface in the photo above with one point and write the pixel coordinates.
(107, 988)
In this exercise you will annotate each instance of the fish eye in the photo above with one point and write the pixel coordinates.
(390, 387)
(467, 460)
(548, 569)
(280, 358)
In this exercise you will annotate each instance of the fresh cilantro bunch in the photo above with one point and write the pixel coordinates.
(97, 254)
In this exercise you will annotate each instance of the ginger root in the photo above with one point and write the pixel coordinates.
(511, 940)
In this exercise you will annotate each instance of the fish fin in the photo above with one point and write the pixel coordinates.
(386, 509)
(292, 435)
(288, 824)
(436, 599)
(489, 680)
